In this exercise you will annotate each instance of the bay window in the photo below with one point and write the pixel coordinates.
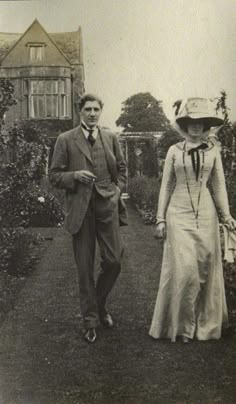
(48, 98)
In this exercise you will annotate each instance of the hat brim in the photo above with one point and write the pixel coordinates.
(205, 134)
(210, 121)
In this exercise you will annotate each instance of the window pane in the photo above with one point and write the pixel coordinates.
(55, 105)
(55, 87)
(32, 53)
(48, 86)
(62, 87)
(51, 86)
(36, 53)
(64, 106)
(26, 87)
(33, 106)
(48, 106)
(26, 106)
(41, 87)
(52, 106)
(41, 106)
(34, 86)
(39, 53)
(36, 106)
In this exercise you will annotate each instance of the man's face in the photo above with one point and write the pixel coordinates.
(90, 113)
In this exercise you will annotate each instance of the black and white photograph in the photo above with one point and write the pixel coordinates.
(117, 202)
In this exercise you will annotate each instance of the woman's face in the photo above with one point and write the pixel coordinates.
(195, 129)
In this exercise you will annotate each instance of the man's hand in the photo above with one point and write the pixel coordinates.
(84, 176)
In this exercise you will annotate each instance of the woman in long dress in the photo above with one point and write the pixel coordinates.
(191, 298)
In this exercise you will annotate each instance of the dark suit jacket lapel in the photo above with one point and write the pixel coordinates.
(82, 143)
(107, 144)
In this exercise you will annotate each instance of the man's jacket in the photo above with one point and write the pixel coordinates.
(71, 153)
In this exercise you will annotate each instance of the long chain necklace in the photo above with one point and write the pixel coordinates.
(195, 211)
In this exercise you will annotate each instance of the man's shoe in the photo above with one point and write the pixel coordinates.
(106, 320)
(90, 335)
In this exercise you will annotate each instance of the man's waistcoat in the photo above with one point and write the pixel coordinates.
(100, 168)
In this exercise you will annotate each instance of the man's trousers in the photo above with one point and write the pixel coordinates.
(101, 222)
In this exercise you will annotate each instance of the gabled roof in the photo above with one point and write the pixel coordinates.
(69, 43)
(7, 41)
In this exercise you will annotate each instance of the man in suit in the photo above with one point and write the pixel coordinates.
(88, 163)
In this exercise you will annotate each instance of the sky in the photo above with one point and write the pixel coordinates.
(173, 49)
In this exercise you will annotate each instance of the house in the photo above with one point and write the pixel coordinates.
(48, 76)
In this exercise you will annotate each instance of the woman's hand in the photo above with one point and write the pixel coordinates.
(160, 232)
(231, 223)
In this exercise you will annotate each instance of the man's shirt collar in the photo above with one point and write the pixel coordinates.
(86, 131)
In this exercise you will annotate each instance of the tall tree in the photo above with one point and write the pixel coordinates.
(142, 113)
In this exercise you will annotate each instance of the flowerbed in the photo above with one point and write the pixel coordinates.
(24, 200)
(41, 209)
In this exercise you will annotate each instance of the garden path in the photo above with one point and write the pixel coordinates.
(44, 360)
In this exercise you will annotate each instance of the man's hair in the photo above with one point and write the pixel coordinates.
(89, 97)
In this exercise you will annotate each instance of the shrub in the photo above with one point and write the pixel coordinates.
(42, 209)
(59, 194)
(32, 206)
(7, 96)
(231, 189)
(168, 138)
(23, 203)
(144, 192)
(15, 246)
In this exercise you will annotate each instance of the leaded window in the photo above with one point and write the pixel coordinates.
(47, 98)
(36, 53)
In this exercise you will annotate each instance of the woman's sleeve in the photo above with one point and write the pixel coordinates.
(218, 187)
(167, 185)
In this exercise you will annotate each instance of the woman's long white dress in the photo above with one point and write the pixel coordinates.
(191, 298)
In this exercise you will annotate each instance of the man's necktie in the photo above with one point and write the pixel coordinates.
(194, 152)
(90, 137)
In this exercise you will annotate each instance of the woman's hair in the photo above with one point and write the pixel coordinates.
(89, 97)
(184, 122)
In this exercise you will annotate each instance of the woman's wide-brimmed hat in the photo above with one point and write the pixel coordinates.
(196, 108)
